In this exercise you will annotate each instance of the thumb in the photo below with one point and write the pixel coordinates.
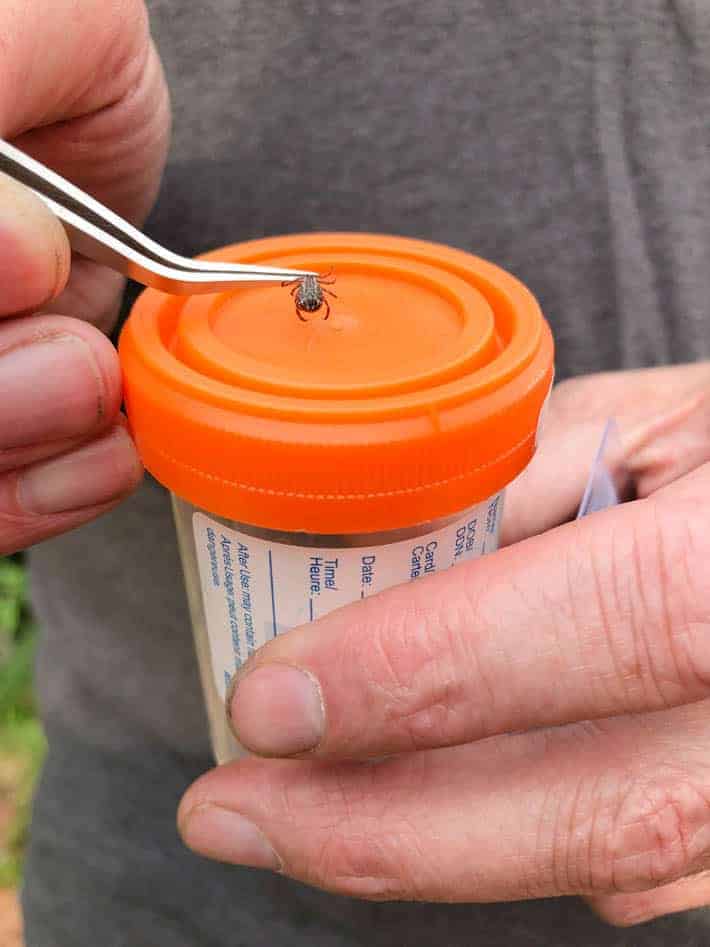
(82, 90)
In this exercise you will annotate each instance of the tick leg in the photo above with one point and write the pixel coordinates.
(331, 293)
(298, 313)
(327, 309)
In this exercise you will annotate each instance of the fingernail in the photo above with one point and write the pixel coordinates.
(51, 389)
(227, 836)
(95, 474)
(277, 710)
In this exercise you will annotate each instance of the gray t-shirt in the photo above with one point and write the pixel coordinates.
(567, 140)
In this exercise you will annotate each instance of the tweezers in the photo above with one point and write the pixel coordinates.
(96, 232)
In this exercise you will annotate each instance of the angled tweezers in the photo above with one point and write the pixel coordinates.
(101, 235)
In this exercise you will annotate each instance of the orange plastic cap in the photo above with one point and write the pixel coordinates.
(418, 396)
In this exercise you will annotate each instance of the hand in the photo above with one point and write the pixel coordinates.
(81, 89)
(549, 706)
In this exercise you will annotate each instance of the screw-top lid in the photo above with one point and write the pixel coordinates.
(418, 396)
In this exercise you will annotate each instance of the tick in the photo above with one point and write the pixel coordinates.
(309, 294)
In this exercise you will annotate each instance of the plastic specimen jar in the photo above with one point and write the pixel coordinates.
(313, 463)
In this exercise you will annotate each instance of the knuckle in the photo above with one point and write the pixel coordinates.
(621, 834)
(413, 664)
(350, 839)
(122, 42)
(359, 864)
(688, 599)
(658, 832)
(654, 606)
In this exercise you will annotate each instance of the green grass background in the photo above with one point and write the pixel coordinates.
(22, 743)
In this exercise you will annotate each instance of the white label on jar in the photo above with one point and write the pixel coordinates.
(254, 589)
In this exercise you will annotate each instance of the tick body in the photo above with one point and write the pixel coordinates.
(309, 294)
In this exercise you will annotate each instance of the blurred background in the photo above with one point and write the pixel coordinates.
(21, 738)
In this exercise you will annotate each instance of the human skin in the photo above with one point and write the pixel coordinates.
(531, 724)
(81, 89)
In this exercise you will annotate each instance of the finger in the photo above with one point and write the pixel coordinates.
(635, 395)
(34, 250)
(564, 457)
(605, 616)
(671, 444)
(619, 806)
(59, 379)
(663, 416)
(57, 495)
(93, 294)
(625, 910)
(64, 453)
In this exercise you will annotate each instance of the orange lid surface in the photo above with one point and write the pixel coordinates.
(418, 396)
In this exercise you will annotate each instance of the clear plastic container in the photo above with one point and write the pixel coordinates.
(313, 463)
(282, 580)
